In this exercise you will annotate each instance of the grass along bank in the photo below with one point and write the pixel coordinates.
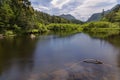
(42, 28)
(101, 29)
(65, 27)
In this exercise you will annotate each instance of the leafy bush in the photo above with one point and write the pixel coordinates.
(64, 27)
(16, 28)
(34, 31)
(102, 28)
(9, 33)
(42, 27)
(99, 24)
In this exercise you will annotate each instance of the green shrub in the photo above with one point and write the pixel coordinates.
(102, 28)
(64, 27)
(9, 33)
(33, 31)
(16, 28)
(99, 24)
(41, 27)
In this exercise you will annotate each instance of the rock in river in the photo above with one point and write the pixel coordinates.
(84, 71)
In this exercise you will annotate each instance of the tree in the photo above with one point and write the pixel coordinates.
(6, 15)
(103, 13)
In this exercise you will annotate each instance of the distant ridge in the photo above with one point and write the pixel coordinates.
(116, 7)
(67, 16)
(71, 18)
(98, 16)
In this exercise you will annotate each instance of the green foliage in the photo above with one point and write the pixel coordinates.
(76, 21)
(64, 27)
(41, 27)
(117, 16)
(100, 24)
(9, 33)
(15, 12)
(102, 29)
(16, 28)
(104, 32)
(108, 26)
(6, 15)
(45, 18)
(33, 31)
(19, 16)
(113, 16)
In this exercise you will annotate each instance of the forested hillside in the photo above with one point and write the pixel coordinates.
(19, 15)
(114, 15)
(47, 19)
(16, 13)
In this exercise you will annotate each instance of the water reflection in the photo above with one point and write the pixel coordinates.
(54, 57)
(16, 57)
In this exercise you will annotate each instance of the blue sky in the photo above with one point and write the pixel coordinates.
(81, 9)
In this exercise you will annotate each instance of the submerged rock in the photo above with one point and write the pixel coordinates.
(93, 61)
(84, 71)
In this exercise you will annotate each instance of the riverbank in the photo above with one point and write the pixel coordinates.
(101, 29)
(95, 29)
(56, 28)
(103, 32)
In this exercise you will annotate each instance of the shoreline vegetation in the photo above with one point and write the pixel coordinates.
(18, 17)
(95, 29)
(102, 29)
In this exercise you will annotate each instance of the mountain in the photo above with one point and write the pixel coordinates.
(68, 16)
(97, 16)
(115, 7)
(71, 18)
(113, 15)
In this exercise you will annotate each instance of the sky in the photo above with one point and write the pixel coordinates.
(81, 9)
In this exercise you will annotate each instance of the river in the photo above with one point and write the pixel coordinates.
(51, 57)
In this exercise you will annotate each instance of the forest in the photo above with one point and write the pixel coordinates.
(19, 17)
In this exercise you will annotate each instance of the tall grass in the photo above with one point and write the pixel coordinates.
(102, 29)
(65, 27)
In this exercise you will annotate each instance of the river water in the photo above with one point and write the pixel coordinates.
(55, 57)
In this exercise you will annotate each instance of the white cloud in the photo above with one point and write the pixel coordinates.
(90, 3)
(92, 6)
(43, 7)
(81, 9)
(59, 3)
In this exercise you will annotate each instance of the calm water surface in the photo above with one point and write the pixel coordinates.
(52, 57)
